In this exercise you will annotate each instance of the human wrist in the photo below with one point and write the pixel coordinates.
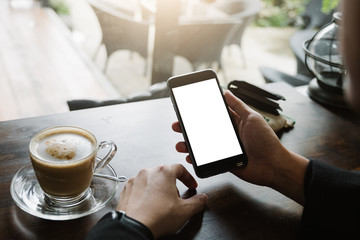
(117, 225)
(139, 216)
(289, 176)
(138, 226)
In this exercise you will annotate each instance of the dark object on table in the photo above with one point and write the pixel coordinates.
(256, 96)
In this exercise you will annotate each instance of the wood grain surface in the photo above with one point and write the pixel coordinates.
(142, 131)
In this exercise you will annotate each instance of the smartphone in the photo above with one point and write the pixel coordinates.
(210, 135)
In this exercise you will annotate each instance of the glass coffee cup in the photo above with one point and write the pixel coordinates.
(64, 160)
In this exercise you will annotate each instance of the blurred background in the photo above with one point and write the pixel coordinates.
(130, 45)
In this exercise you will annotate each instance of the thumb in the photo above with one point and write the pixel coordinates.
(238, 106)
(195, 204)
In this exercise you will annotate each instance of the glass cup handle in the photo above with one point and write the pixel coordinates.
(105, 160)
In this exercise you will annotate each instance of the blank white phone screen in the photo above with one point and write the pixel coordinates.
(207, 122)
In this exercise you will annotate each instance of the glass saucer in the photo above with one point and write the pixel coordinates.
(28, 195)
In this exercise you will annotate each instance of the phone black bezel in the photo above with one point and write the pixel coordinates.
(222, 165)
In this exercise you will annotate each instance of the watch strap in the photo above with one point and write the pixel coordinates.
(117, 225)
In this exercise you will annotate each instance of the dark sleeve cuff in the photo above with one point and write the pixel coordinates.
(116, 225)
(332, 203)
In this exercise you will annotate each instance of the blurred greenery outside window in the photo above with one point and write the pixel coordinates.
(282, 13)
(275, 13)
(59, 6)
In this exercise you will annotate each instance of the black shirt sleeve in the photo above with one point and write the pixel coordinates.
(332, 203)
(116, 225)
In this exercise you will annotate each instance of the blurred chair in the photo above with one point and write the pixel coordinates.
(121, 32)
(202, 42)
(244, 10)
(147, 9)
(155, 91)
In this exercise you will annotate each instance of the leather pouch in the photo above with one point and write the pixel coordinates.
(262, 101)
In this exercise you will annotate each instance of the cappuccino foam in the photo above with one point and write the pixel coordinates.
(63, 146)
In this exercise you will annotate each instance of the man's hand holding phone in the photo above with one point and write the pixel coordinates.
(269, 162)
(259, 141)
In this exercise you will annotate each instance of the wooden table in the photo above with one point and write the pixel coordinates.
(142, 131)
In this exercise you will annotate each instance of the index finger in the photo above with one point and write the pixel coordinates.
(184, 176)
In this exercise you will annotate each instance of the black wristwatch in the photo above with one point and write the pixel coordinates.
(129, 222)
